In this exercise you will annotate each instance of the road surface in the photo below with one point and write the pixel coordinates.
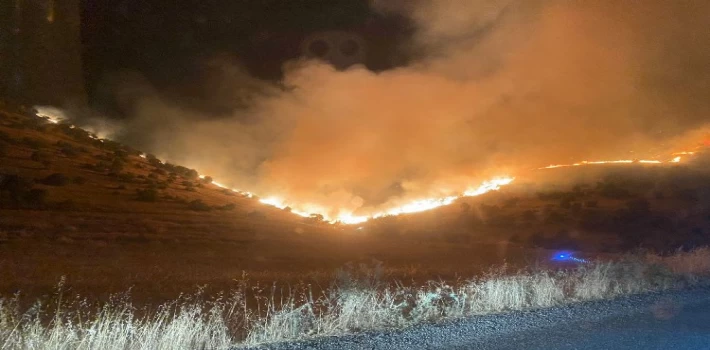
(665, 324)
(667, 320)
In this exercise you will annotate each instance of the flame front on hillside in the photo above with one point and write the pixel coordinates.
(414, 206)
(351, 219)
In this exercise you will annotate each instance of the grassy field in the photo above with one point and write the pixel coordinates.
(357, 300)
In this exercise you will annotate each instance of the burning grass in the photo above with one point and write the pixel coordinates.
(357, 300)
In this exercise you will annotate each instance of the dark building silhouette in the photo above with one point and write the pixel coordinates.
(40, 52)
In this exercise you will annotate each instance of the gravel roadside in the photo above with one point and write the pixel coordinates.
(484, 332)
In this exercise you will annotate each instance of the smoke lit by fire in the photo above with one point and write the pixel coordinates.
(54, 116)
(491, 88)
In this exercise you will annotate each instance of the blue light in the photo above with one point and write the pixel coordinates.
(567, 256)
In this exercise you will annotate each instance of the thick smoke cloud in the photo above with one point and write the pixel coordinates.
(497, 88)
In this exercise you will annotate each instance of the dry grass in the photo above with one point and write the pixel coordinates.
(358, 300)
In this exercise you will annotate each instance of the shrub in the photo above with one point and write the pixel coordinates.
(117, 166)
(511, 202)
(207, 180)
(613, 191)
(36, 197)
(316, 217)
(555, 195)
(555, 217)
(147, 195)
(78, 180)
(229, 206)
(192, 174)
(7, 138)
(100, 166)
(259, 215)
(153, 160)
(69, 151)
(120, 154)
(33, 143)
(127, 177)
(15, 187)
(566, 203)
(638, 206)
(40, 156)
(529, 215)
(199, 205)
(226, 191)
(56, 179)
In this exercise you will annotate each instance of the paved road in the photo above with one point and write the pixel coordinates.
(669, 321)
(665, 324)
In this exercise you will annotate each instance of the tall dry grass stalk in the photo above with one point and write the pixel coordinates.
(358, 300)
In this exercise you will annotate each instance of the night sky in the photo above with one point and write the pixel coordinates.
(167, 41)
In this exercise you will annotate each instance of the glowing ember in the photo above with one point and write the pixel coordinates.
(274, 202)
(419, 205)
(52, 114)
(623, 161)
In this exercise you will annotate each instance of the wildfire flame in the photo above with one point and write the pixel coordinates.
(622, 161)
(432, 203)
(352, 219)
(55, 116)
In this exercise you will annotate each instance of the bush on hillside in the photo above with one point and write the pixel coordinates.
(7, 138)
(117, 166)
(511, 202)
(555, 195)
(192, 174)
(36, 197)
(40, 156)
(78, 180)
(199, 205)
(147, 195)
(127, 177)
(18, 192)
(638, 206)
(33, 143)
(229, 206)
(153, 160)
(613, 191)
(56, 179)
